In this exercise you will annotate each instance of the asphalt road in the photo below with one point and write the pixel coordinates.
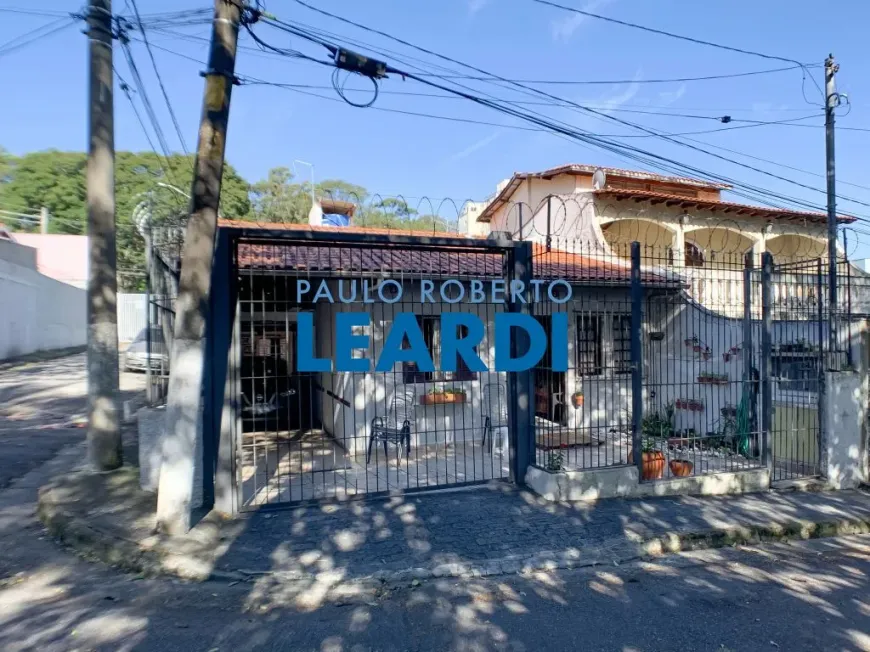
(39, 405)
(801, 596)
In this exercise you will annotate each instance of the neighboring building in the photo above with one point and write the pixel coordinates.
(61, 257)
(37, 313)
(680, 223)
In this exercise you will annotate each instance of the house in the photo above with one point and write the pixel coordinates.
(653, 356)
(681, 223)
(37, 313)
(59, 256)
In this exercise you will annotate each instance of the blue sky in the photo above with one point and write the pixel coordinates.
(389, 153)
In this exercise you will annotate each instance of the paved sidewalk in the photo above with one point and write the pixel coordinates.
(486, 531)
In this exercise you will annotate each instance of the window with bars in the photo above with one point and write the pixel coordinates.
(589, 350)
(430, 326)
(603, 344)
(621, 338)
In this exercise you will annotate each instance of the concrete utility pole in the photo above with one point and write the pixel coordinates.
(104, 433)
(832, 101)
(43, 220)
(180, 475)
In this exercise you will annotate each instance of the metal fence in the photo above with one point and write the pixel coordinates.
(338, 433)
(697, 366)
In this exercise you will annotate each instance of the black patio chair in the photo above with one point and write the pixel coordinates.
(395, 426)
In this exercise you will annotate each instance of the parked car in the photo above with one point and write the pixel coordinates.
(270, 398)
(137, 356)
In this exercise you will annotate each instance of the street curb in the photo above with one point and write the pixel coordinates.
(154, 560)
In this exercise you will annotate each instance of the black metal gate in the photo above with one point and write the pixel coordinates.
(796, 319)
(346, 429)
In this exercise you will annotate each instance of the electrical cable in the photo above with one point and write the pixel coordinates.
(36, 35)
(660, 32)
(585, 109)
(160, 79)
(612, 82)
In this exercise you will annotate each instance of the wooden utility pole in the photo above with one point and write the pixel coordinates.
(104, 433)
(832, 100)
(179, 490)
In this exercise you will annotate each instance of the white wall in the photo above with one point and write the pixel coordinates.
(37, 313)
(132, 316)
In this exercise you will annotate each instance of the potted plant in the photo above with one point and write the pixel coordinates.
(577, 400)
(681, 468)
(652, 461)
(555, 461)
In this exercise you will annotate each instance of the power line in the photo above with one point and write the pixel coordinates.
(603, 82)
(35, 35)
(159, 79)
(777, 163)
(660, 32)
(30, 12)
(589, 138)
(302, 89)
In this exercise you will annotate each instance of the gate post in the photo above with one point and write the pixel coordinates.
(766, 384)
(824, 364)
(636, 358)
(521, 383)
(750, 387)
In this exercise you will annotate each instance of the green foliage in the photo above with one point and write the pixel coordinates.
(57, 181)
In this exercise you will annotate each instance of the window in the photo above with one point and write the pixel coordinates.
(621, 335)
(430, 326)
(588, 345)
(603, 344)
(796, 372)
(694, 256)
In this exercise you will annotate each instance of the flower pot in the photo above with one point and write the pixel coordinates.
(577, 400)
(652, 465)
(681, 468)
(442, 398)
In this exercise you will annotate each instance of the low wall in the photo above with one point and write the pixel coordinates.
(624, 482)
(37, 313)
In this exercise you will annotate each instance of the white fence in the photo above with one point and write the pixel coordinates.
(132, 316)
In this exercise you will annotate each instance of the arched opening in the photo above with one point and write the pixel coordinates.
(694, 256)
(795, 248)
(656, 241)
(718, 247)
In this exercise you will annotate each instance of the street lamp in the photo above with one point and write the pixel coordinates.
(311, 166)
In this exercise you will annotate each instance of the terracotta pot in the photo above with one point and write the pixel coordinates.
(681, 468)
(441, 399)
(652, 465)
(577, 400)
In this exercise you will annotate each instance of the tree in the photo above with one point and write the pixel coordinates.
(277, 199)
(57, 180)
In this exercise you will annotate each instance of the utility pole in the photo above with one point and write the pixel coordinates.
(104, 433)
(43, 220)
(832, 101)
(177, 493)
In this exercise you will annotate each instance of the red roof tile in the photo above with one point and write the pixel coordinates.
(423, 263)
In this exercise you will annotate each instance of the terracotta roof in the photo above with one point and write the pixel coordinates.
(580, 169)
(725, 206)
(553, 264)
(280, 226)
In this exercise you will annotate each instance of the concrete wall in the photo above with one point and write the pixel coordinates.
(37, 313)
